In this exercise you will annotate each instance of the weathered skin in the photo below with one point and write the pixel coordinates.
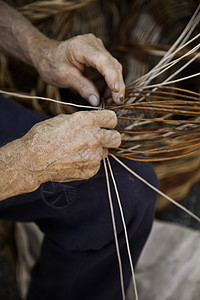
(66, 147)
(62, 149)
(60, 63)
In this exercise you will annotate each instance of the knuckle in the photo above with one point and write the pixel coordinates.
(118, 138)
(77, 38)
(61, 117)
(94, 140)
(104, 153)
(112, 113)
(115, 139)
(113, 117)
(77, 41)
(89, 119)
(36, 128)
(100, 41)
(70, 42)
(98, 156)
(91, 172)
(83, 90)
(90, 36)
(97, 166)
(103, 57)
(80, 117)
(78, 114)
(119, 66)
(85, 37)
(123, 86)
(58, 121)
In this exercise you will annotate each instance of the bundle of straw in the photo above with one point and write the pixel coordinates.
(160, 121)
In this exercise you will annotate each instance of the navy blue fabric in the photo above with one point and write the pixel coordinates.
(15, 120)
(78, 258)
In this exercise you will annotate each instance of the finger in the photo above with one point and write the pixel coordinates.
(84, 87)
(104, 119)
(91, 170)
(110, 138)
(118, 98)
(109, 67)
(104, 153)
(99, 41)
(107, 93)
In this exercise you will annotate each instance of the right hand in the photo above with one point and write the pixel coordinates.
(69, 147)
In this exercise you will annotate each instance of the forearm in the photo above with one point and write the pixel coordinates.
(60, 64)
(18, 37)
(15, 179)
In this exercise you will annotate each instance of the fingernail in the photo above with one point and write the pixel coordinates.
(94, 101)
(116, 86)
(121, 99)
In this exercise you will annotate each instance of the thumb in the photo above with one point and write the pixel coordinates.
(85, 88)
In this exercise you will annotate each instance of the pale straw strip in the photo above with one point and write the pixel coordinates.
(169, 64)
(125, 230)
(170, 82)
(18, 95)
(194, 22)
(182, 68)
(167, 80)
(156, 190)
(185, 33)
(115, 231)
(170, 54)
(174, 62)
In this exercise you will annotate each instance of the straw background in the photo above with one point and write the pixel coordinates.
(137, 32)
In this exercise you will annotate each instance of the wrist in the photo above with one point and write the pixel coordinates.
(30, 40)
(15, 178)
(40, 52)
(31, 178)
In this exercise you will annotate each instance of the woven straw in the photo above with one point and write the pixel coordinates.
(138, 33)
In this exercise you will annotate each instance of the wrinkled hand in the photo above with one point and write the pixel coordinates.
(70, 147)
(61, 64)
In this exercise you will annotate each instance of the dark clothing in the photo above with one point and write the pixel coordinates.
(78, 258)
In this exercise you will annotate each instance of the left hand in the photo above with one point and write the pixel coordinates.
(61, 64)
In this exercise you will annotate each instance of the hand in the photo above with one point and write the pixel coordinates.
(61, 64)
(69, 147)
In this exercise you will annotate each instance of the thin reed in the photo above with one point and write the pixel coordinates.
(159, 50)
(165, 125)
(160, 120)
